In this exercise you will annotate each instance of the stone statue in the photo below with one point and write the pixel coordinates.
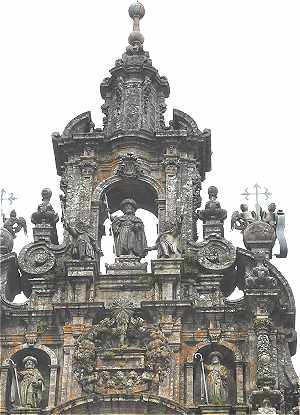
(14, 224)
(31, 383)
(270, 217)
(128, 231)
(11, 226)
(168, 242)
(83, 246)
(213, 215)
(213, 202)
(45, 212)
(240, 220)
(220, 383)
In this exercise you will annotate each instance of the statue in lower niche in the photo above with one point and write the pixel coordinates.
(128, 231)
(31, 384)
(220, 382)
(83, 245)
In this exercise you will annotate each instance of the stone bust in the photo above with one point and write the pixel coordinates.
(45, 212)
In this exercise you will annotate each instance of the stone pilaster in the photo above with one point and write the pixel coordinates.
(167, 273)
(239, 375)
(4, 370)
(171, 164)
(189, 384)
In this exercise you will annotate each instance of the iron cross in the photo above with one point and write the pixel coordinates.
(11, 198)
(257, 193)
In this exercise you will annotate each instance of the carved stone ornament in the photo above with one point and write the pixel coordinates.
(129, 166)
(36, 259)
(214, 253)
(259, 232)
(265, 375)
(259, 277)
(121, 340)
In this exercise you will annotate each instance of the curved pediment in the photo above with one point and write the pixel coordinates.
(80, 124)
(182, 121)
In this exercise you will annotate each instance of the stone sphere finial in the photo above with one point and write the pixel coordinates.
(136, 10)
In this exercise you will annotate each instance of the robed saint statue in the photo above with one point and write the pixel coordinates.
(31, 385)
(128, 231)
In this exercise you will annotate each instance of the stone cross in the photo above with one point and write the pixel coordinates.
(257, 193)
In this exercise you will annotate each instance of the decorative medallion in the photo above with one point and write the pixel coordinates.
(36, 259)
(214, 254)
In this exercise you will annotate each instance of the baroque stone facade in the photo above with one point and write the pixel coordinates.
(168, 341)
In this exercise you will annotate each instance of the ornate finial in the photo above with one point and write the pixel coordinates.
(136, 12)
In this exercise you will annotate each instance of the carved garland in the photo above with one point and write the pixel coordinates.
(113, 337)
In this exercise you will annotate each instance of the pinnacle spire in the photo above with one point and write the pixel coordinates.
(136, 12)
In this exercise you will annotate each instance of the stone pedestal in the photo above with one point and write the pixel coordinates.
(81, 277)
(215, 410)
(168, 274)
(262, 301)
(77, 268)
(45, 232)
(259, 237)
(208, 293)
(126, 264)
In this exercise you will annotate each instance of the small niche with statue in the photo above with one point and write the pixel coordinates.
(28, 380)
(214, 377)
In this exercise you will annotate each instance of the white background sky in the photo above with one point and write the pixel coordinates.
(233, 65)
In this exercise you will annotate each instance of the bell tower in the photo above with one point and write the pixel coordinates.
(135, 154)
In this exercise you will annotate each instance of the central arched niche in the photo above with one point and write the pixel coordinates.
(146, 197)
(143, 193)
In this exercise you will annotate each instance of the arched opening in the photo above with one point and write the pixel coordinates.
(214, 376)
(111, 198)
(16, 390)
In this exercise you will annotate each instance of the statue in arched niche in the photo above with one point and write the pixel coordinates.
(220, 382)
(128, 231)
(31, 385)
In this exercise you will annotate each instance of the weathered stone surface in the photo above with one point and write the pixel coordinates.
(130, 340)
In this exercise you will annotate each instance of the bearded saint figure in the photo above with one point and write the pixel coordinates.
(220, 383)
(128, 231)
(31, 384)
